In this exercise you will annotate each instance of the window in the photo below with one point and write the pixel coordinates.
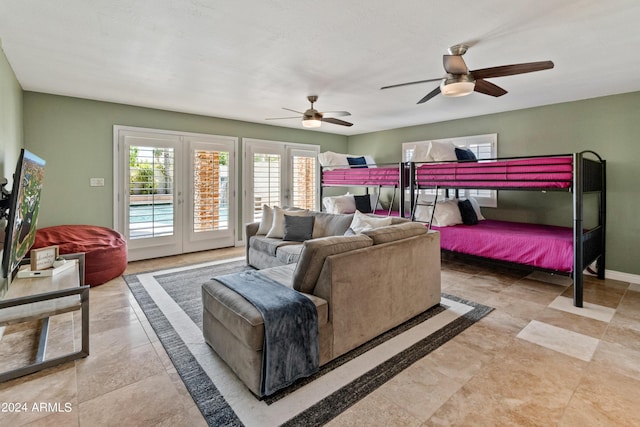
(211, 190)
(483, 146)
(266, 182)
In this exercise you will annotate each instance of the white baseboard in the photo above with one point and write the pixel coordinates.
(623, 277)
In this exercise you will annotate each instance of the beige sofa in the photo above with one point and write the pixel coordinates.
(361, 285)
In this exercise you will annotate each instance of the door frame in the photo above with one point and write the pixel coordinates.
(118, 174)
(285, 147)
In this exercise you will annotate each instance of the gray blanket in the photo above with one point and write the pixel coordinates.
(290, 350)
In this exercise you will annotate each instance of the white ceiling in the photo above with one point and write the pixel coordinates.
(246, 59)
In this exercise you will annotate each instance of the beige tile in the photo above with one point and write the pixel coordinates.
(604, 398)
(573, 322)
(148, 402)
(53, 385)
(104, 372)
(588, 309)
(618, 358)
(375, 410)
(558, 339)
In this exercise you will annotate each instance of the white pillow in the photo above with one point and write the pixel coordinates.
(340, 204)
(362, 222)
(329, 158)
(447, 213)
(442, 151)
(421, 153)
(266, 221)
(277, 226)
(476, 207)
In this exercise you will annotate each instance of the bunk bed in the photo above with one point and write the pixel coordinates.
(562, 250)
(388, 175)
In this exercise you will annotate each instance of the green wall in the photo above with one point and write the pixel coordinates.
(75, 137)
(609, 126)
(10, 119)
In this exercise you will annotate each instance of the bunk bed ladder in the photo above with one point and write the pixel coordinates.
(433, 204)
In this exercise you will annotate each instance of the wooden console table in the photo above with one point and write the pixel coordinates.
(39, 298)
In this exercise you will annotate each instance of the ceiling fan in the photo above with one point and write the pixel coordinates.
(460, 81)
(313, 118)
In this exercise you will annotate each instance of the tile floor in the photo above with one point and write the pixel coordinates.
(535, 360)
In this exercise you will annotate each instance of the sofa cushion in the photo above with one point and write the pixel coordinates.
(327, 224)
(298, 228)
(266, 221)
(362, 222)
(268, 245)
(392, 233)
(277, 227)
(289, 254)
(314, 253)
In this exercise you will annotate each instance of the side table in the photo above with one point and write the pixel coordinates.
(39, 298)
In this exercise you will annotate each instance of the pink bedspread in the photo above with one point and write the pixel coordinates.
(543, 246)
(387, 176)
(540, 172)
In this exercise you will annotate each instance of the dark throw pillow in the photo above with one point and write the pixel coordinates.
(357, 162)
(465, 155)
(298, 228)
(467, 212)
(363, 203)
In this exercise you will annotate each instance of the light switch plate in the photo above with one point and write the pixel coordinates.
(96, 182)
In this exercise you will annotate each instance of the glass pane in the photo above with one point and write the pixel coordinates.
(211, 190)
(266, 182)
(304, 182)
(151, 174)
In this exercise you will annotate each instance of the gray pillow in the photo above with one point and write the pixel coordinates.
(298, 228)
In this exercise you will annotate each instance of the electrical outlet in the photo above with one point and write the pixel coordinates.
(96, 182)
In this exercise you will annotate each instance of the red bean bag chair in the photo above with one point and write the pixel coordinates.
(105, 249)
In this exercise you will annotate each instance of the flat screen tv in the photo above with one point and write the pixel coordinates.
(21, 208)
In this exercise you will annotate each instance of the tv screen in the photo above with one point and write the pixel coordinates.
(23, 209)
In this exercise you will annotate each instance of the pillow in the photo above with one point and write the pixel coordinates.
(421, 153)
(442, 151)
(363, 203)
(423, 210)
(344, 204)
(465, 155)
(467, 212)
(476, 207)
(447, 213)
(329, 158)
(266, 221)
(357, 162)
(362, 222)
(298, 228)
(277, 226)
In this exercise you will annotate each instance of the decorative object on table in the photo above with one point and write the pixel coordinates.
(44, 258)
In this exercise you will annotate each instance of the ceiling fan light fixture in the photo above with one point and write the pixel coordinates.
(311, 123)
(459, 86)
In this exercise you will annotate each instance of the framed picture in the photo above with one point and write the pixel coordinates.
(44, 257)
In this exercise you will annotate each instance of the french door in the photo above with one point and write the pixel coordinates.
(175, 192)
(279, 174)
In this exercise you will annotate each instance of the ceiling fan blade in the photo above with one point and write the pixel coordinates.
(430, 95)
(510, 70)
(454, 64)
(336, 121)
(488, 88)
(336, 113)
(283, 118)
(294, 111)
(412, 83)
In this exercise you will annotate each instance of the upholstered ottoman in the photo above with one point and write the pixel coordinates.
(234, 328)
(105, 249)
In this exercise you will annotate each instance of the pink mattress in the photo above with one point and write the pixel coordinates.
(542, 246)
(339, 177)
(540, 172)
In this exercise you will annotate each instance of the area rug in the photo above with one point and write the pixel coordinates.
(171, 300)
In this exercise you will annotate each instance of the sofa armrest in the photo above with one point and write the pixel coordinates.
(250, 229)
